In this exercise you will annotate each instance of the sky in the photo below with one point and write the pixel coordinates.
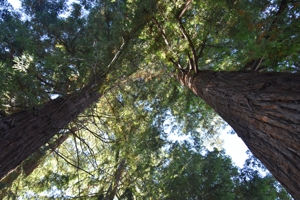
(15, 3)
(233, 145)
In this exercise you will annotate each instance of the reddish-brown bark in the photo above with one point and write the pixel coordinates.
(264, 110)
(23, 133)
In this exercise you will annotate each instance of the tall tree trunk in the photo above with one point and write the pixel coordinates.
(264, 110)
(23, 133)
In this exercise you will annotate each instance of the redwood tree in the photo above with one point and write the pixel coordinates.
(32, 162)
(63, 56)
(25, 132)
(263, 109)
(228, 54)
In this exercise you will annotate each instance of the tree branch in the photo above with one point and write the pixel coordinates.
(162, 32)
(184, 9)
(65, 159)
(187, 37)
(177, 65)
(203, 44)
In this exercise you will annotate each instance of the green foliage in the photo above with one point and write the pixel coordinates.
(191, 175)
(250, 179)
(225, 35)
(68, 50)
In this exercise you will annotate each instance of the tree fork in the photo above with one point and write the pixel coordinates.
(23, 133)
(264, 110)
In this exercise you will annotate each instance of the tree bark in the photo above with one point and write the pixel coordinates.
(23, 133)
(264, 110)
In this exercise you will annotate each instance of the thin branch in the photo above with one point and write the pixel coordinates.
(87, 145)
(76, 167)
(43, 81)
(78, 162)
(184, 9)
(202, 49)
(256, 64)
(190, 63)
(104, 140)
(203, 45)
(259, 69)
(177, 65)
(187, 37)
(162, 32)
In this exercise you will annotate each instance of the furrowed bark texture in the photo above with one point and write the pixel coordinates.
(264, 110)
(23, 133)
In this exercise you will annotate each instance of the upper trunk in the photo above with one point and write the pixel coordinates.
(23, 133)
(263, 109)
